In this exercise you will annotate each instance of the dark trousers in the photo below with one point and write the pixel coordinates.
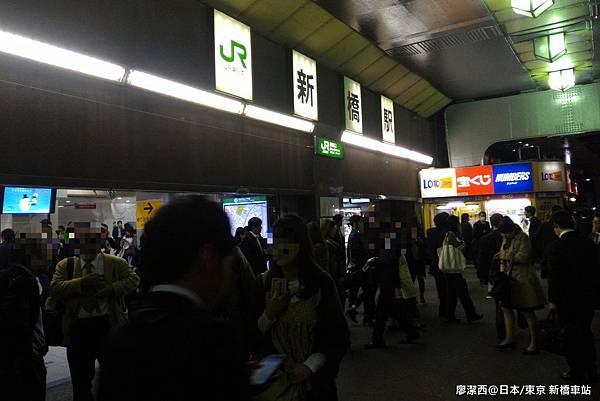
(23, 378)
(457, 289)
(440, 285)
(398, 309)
(483, 273)
(580, 350)
(369, 289)
(87, 340)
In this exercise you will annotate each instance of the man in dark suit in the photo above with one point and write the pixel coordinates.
(534, 222)
(489, 265)
(571, 292)
(481, 227)
(118, 234)
(172, 348)
(252, 247)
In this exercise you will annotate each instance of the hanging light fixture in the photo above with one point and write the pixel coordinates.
(562, 80)
(550, 48)
(531, 8)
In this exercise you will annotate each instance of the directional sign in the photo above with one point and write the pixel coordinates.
(328, 148)
(144, 210)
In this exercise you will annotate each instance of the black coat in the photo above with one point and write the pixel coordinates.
(573, 272)
(357, 250)
(480, 229)
(254, 253)
(534, 226)
(435, 239)
(489, 245)
(171, 349)
(20, 303)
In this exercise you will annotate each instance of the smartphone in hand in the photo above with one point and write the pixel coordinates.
(267, 368)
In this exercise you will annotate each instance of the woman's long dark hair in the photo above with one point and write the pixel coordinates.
(452, 224)
(293, 228)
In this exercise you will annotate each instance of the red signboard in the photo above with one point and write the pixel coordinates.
(478, 180)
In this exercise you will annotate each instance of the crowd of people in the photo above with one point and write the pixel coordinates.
(212, 311)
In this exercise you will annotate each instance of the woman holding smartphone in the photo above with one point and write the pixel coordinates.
(302, 318)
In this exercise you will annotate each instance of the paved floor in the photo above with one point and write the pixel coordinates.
(445, 356)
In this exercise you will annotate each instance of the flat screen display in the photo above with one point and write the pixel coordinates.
(240, 210)
(22, 200)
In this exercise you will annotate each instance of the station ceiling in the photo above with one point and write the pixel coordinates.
(473, 49)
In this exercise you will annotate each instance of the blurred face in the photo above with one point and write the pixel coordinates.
(284, 251)
(40, 258)
(89, 242)
(482, 216)
(596, 227)
(120, 224)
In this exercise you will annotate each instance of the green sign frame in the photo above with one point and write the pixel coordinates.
(328, 148)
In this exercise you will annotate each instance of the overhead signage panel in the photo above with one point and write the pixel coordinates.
(387, 120)
(329, 148)
(353, 106)
(513, 178)
(305, 86)
(550, 177)
(438, 183)
(476, 180)
(233, 56)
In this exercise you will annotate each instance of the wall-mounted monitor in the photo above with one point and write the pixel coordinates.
(240, 210)
(24, 200)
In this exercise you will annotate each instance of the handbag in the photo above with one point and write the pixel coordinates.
(501, 288)
(452, 260)
(551, 334)
(53, 312)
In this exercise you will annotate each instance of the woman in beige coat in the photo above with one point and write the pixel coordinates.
(526, 293)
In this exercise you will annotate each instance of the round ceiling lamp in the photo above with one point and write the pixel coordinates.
(550, 48)
(562, 80)
(531, 8)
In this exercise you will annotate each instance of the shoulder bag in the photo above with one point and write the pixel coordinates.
(451, 258)
(53, 313)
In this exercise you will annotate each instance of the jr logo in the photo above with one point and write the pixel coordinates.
(325, 147)
(242, 54)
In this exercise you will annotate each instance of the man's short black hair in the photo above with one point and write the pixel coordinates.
(254, 222)
(8, 235)
(354, 219)
(61, 228)
(496, 219)
(120, 221)
(563, 220)
(337, 219)
(530, 210)
(173, 238)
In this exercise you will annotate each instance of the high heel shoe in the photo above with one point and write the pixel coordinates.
(531, 351)
(505, 347)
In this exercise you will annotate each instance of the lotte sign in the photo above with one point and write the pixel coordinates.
(476, 180)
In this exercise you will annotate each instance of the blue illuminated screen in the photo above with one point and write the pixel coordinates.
(20, 200)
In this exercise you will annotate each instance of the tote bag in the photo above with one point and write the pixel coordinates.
(451, 258)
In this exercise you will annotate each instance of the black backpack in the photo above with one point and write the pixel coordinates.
(53, 313)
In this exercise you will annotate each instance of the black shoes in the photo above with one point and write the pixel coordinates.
(475, 318)
(375, 345)
(505, 347)
(351, 314)
(531, 351)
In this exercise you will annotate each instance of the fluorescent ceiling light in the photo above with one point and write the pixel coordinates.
(531, 8)
(184, 92)
(562, 80)
(273, 117)
(48, 54)
(389, 149)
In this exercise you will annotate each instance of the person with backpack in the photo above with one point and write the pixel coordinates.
(94, 304)
(22, 341)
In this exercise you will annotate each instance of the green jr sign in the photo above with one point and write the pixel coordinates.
(327, 148)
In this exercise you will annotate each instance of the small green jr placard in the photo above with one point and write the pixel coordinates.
(328, 148)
